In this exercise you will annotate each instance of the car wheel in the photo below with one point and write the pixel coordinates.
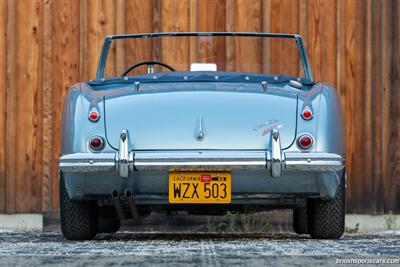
(108, 225)
(300, 221)
(326, 220)
(78, 218)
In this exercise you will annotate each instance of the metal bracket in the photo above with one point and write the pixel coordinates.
(137, 86)
(276, 157)
(264, 86)
(124, 156)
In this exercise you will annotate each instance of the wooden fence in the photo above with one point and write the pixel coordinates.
(48, 45)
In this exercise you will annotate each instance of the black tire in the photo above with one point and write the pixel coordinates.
(300, 221)
(78, 218)
(326, 218)
(108, 225)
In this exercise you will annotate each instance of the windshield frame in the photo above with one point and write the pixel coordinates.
(108, 39)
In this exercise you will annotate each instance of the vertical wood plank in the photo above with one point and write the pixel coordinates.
(285, 19)
(3, 88)
(138, 50)
(29, 106)
(65, 70)
(356, 91)
(194, 26)
(120, 29)
(284, 16)
(322, 39)
(376, 107)
(175, 18)
(83, 48)
(341, 51)
(368, 115)
(11, 100)
(266, 27)
(47, 138)
(214, 21)
(341, 61)
(388, 98)
(396, 114)
(304, 18)
(248, 50)
(350, 46)
(230, 27)
(100, 22)
(157, 18)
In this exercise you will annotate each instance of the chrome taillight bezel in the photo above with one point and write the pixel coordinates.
(304, 135)
(94, 118)
(95, 148)
(305, 111)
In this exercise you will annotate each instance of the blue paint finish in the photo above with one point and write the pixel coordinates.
(73, 126)
(236, 116)
(163, 114)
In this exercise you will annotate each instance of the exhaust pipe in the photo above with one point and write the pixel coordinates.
(131, 203)
(117, 204)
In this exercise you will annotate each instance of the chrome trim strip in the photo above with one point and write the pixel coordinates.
(87, 162)
(125, 161)
(201, 159)
(313, 161)
(248, 160)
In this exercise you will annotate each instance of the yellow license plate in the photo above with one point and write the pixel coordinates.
(199, 187)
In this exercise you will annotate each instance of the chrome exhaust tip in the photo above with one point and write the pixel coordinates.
(114, 193)
(131, 203)
(117, 204)
(128, 193)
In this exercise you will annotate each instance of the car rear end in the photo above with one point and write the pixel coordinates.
(231, 147)
(205, 143)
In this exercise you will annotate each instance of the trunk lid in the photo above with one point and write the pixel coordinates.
(175, 116)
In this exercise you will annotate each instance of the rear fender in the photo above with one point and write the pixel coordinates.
(307, 99)
(92, 100)
(73, 123)
(326, 126)
(330, 132)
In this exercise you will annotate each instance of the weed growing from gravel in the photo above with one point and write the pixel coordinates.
(238, 223)
(390, 221)
(352, 230)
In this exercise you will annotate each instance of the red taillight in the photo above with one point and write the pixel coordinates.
(94, 116)
(307, 114)
(96, 143)
(305, 141)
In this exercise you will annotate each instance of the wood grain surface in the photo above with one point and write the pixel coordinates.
(48, 45)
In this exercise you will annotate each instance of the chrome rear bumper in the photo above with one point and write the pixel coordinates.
(126, 161)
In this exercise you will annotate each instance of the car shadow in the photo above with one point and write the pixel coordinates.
(196, 236)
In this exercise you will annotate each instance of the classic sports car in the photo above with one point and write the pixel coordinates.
(203, 123)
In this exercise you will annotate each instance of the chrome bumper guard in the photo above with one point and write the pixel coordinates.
(126, 161)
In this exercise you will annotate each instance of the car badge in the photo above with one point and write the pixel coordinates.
(200, 133)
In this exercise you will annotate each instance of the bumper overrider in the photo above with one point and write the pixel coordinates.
(126, 161)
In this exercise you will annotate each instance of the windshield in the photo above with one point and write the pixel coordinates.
(232, 53)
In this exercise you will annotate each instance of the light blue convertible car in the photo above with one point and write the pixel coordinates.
(203, 123)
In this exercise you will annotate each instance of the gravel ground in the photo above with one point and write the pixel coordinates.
(156, 249)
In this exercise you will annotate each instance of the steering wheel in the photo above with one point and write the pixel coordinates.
(150, 66)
